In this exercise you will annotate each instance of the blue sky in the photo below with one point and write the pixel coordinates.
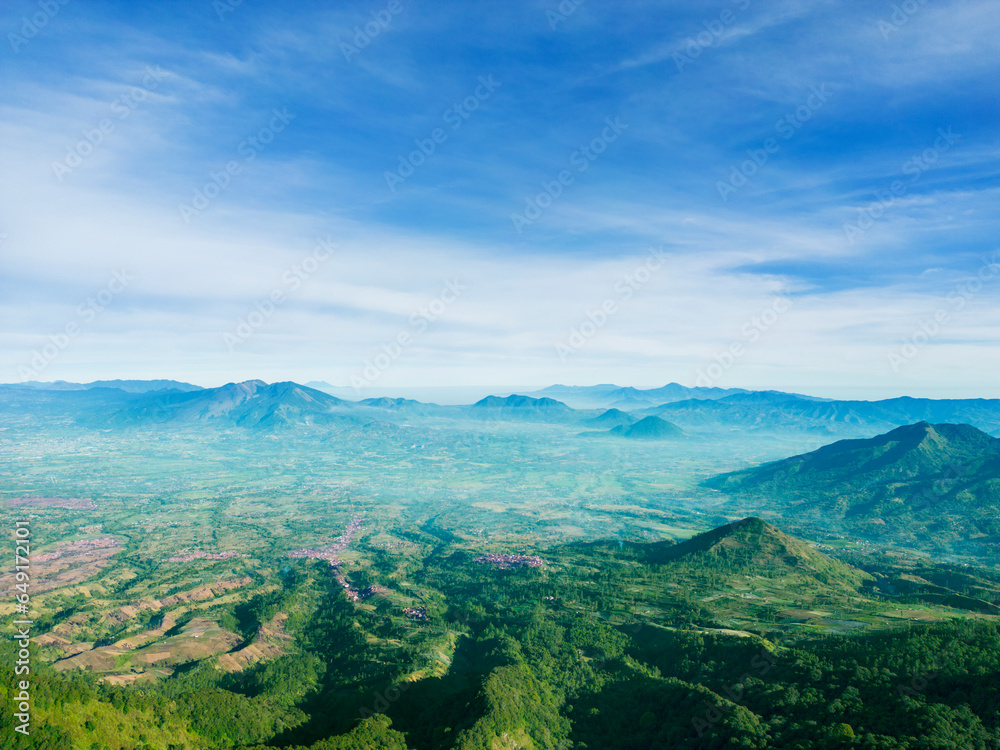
(818, 179)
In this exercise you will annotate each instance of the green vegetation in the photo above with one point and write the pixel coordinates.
(574, 671)
(195, 628)
(933, 487)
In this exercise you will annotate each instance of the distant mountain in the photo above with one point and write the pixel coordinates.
(409, 407)
(699, 409)
(144, 386)
(609, 395)
(587, 395)
(388, 403)
(755, 547)
(343, 392)
(611, 418)
(771, 411)
(650, 428)
(914, 453)
(252, 403)
(435, 395)
(32, 407)
(935, 484)
(520, 408)
(129, 386)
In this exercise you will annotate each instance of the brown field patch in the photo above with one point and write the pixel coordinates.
(134, 677)
(69, 563)
(199, 594)
(199, 639)
(96, 660)
(270, 643)
(51, 639)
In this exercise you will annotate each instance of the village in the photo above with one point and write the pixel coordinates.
(329, 553)
(505, 561)
(199, 555)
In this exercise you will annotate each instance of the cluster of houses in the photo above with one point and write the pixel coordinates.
(329, 553)
(372, 590)
(70, 503)
(352, 593)
(199, 555)
(509, 561)
(398, 544)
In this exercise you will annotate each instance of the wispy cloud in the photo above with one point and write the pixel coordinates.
(656, 186)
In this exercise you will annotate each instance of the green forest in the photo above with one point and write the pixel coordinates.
(556, 657)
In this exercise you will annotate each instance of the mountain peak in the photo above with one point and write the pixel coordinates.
(753, 544)
(754, 525)
(612, 418)
(650, 428)
(519, 407)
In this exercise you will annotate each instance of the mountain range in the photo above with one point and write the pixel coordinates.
(771, 411)
(255, 404)
(129, 386)
(250, 404)
(616, 396)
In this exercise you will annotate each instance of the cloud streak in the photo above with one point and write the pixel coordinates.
(781, 233)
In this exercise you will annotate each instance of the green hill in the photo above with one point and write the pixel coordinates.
(937, 485)
(755, 547)
(650, 428)
(519, 409)
(611, 418)
(911, 453)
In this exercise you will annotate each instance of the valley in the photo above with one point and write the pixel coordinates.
(267, 567)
